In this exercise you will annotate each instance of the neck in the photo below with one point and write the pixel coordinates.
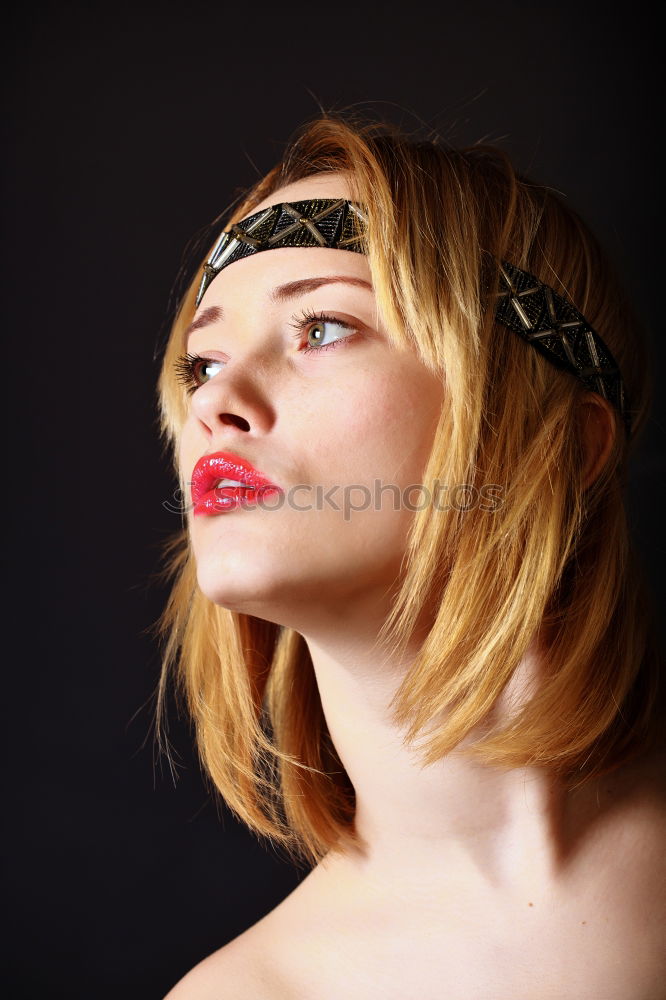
(499, 825)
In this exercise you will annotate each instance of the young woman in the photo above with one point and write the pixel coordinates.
(402, 392)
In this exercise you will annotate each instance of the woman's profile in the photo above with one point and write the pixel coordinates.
(401, 393)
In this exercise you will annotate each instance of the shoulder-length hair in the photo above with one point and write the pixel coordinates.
(553, 559)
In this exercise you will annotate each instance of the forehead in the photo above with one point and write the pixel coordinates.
(325, 185)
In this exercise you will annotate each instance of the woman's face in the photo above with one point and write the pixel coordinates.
(324, 423)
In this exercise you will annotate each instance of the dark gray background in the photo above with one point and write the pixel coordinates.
(128, 130)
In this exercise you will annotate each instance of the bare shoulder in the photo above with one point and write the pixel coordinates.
(256, 963)
(336, 935)
(241, 968)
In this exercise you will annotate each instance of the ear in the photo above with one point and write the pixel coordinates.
(598, 427)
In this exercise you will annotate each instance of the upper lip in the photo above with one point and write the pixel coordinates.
(225, 465)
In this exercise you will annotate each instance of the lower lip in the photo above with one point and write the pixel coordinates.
(225, 499)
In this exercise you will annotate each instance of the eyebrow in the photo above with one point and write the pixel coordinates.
(282, 294)
(293, 288)
(208, 316)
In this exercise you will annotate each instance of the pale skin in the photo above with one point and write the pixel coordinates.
(477, 883)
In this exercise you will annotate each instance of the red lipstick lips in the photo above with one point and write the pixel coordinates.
(211, 498)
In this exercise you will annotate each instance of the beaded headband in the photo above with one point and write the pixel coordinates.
(524, 304)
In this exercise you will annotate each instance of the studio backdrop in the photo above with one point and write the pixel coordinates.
(129, 129)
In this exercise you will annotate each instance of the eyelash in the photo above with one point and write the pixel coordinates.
(185, 367)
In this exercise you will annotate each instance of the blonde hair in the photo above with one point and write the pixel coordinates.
(554, 559)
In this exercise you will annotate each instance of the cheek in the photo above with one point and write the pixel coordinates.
(382, 427)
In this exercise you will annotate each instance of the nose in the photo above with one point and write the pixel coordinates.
(234, 398)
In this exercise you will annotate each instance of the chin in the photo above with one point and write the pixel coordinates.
(248, 588)
(226, 586)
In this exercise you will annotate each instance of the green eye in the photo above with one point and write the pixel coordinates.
(193, 371)
(321, 329)
(316, 334)
(206, 370)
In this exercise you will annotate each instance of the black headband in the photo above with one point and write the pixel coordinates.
(524, 304)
